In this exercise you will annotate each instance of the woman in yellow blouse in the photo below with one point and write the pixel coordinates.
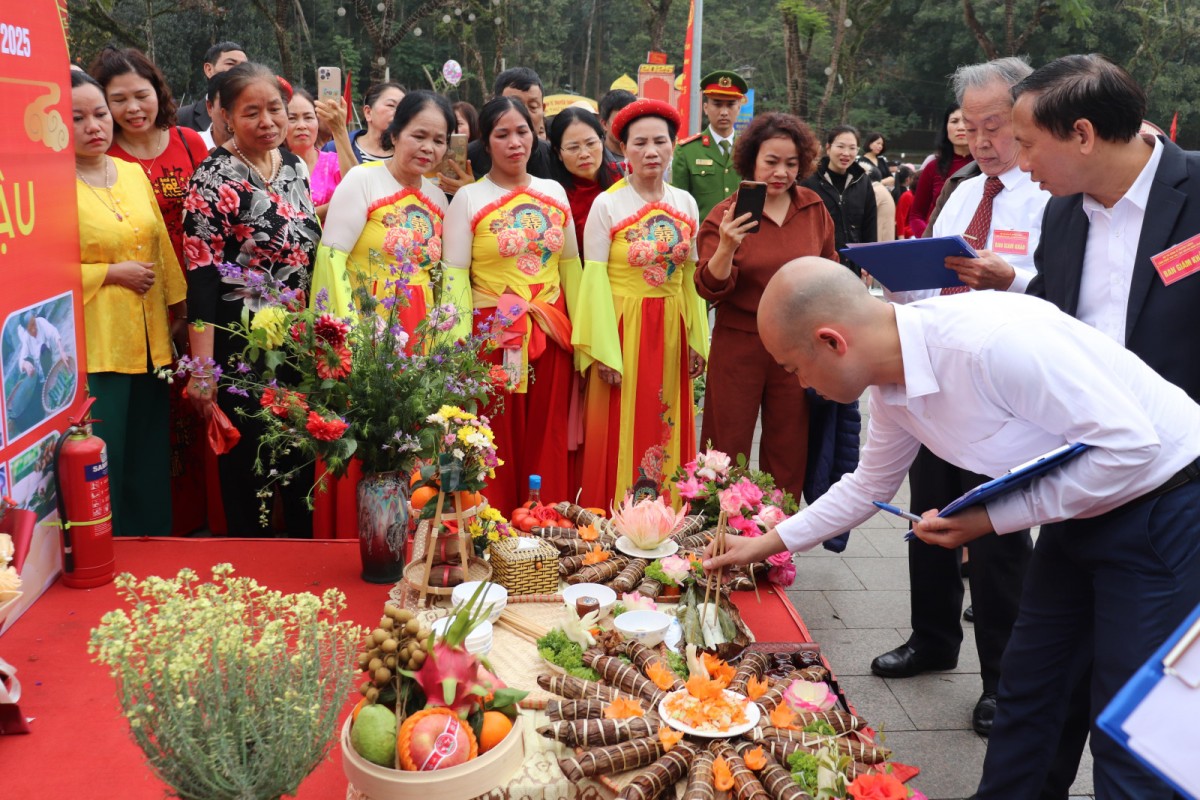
(130, 277)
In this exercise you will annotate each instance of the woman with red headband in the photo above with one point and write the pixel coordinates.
(641, 352)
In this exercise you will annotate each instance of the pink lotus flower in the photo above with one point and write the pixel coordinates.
(648, 523)
(636, 601)
(782, 576)
(676, 568)
(804, 695)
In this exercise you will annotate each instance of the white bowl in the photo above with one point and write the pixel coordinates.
(648, 627)
(602, 593)
(495, 595)
(479, 641)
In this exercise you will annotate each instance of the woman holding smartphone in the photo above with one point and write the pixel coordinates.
(641, 351)
(735, 264)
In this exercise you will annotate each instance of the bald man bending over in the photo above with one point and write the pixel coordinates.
(988, 381)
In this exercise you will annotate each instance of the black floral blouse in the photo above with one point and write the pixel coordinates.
(239, 237)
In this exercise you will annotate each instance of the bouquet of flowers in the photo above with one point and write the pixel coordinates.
(336, 388)
(488, 526)
(753, 505)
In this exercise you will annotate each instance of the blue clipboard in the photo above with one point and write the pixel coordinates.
(1159, 701)
(1017, 478)
(911, 264)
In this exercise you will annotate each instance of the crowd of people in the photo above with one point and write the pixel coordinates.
(598, 246)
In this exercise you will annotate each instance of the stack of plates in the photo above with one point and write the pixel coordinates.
(478, 643)
(495, 595)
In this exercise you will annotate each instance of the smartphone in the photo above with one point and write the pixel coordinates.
(329, 83)
(457, 152)
(751, 197)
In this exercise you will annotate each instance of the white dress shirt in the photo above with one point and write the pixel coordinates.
(1112, 244)
(1016, 210)
(993, 380)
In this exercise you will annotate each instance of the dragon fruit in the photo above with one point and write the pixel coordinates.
(452, 677)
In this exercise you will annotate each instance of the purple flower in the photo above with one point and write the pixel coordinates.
(235, 390)
(323, 300)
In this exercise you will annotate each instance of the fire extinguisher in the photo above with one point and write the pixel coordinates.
(84, 504)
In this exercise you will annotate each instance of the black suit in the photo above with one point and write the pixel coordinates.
(1160, 329)
(195, 116)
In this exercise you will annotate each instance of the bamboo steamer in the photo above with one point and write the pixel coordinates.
(479, 776)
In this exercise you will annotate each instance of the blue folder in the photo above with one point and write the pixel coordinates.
(1018, 478)
(907, 265)
(1168, 757)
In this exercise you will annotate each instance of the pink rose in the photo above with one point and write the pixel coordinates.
(751, 494)
(769, 516)
(434, 245)
(529, 264)
(689, 489)
(553, 237)
(744, 526)
(228, 201)
(196, 252)
(782, 576)
(780, 558)
(712, 465)
(680, 253)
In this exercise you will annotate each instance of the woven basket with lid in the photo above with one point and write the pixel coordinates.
(532, 570)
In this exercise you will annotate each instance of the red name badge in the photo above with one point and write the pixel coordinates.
(1177, 262)
(1013, 243)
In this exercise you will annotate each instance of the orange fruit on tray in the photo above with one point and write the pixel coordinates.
(495, 727)
(470, 499)
(422, 496)
(416, 477)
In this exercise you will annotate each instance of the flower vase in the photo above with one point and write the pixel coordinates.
(383, 519)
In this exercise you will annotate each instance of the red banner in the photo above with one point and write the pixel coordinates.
(41, 309)
(685, 97)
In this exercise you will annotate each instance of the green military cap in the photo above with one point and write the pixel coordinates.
(723, 83)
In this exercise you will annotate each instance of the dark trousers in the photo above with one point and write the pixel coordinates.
(132, 414)
(240, 485)
(998, 566)
(1107, 592)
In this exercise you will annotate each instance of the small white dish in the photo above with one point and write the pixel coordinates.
(668, 548)
(478, 642)
(752, 716)
(603, 594)
(495, 595)
(648, 627)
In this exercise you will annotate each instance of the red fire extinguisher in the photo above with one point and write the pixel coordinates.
(84, 504)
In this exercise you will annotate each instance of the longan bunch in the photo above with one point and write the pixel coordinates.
(398, 643)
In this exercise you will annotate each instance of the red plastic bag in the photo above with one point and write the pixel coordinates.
(222, 435)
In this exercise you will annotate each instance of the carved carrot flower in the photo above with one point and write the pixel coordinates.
(624, 708)
(596, 555)
(783, 717)
(722, 775)
(756, 687)
(661, 675)
(668, 737)
(755, 759)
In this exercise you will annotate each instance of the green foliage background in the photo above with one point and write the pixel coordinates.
(893, 61)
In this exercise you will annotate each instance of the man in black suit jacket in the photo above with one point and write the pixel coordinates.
(1119, 201)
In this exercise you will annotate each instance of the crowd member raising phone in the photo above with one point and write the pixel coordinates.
(745, 239)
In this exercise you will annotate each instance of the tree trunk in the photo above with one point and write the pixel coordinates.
(657, 19)
(839, 35)
(976, 29)
(797, 80)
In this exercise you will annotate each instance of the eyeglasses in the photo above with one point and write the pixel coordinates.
(575, 148)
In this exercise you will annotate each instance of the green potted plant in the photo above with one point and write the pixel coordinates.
(231, 690)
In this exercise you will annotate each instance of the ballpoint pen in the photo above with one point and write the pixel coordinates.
(899, 512)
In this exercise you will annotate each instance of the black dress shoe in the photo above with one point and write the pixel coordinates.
(904, 662)
(969, 614)
(984, 714)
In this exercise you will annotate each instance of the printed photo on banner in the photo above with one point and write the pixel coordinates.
(3, 480)
(37, 351)
(33, 477)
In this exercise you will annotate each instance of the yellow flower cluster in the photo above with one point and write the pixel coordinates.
(272, 321)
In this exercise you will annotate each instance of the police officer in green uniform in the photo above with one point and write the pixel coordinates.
(703, 164)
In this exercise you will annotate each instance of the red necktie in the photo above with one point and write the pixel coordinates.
(977, 231)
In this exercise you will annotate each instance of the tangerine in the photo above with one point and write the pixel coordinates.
(495, 727)
(416, 477)
(422, 496)
(470, 499)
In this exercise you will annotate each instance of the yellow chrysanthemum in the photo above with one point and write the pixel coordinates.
(272, 321)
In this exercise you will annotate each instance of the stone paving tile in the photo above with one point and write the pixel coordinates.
(938, 701)
(870, 609)
(815, 610)
(874, 701)
(880, 574)
(850, 650)
(818, 574)
(950, 761)
(888, 542)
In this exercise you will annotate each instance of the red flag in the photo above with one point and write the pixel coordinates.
(349, 98)
(685, 97)
(1174, 125)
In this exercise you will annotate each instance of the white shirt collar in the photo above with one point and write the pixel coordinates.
(717, 138)
(919, 377)
(1012, 178)
(1139, 191)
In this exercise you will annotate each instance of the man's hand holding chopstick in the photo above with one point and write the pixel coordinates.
(743, 550)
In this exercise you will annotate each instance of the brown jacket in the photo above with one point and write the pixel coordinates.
(807, 230)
